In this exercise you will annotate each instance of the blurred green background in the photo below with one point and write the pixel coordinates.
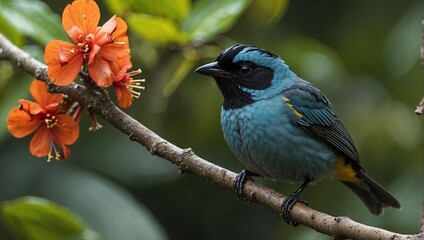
(364, 55)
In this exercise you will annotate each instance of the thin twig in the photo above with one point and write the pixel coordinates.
(188, 162)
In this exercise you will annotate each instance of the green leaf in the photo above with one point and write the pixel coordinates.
(118, 6)
(264, 13)
(110, 209)
(36, 218)
(155, 29)
(210, 18)
(9, 32)
(34, 19)
(177, 10)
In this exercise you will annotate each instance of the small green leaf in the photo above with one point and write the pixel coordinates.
(9, 32)
(264, 13)
(118, 6)
(36, 218)
(155, 29)
(210, 18)
(34, 19)
(176, 10)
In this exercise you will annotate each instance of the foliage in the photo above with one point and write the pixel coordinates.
(39, 219)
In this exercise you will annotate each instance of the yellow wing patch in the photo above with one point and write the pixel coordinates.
(287, 101)
(343, 171)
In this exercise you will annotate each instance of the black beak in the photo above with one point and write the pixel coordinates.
(212, 69)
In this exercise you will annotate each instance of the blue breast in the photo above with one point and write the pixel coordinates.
(267, 142)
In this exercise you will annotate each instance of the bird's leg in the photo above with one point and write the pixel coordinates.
(240, 180)
(291, 200)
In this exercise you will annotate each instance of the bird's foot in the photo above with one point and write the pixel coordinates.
(287, 206)
(239, 182)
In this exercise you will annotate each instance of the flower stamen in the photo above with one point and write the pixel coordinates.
(134, 94)
(95, 125)
(57, 154)
(113, 39)
(85, 48)
(49, 157)
(84, 17)
(50, 120)
(139, 80)
(134, 84)
(137, 86)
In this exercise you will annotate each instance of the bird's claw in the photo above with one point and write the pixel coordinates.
(287, 206)
(239, 182)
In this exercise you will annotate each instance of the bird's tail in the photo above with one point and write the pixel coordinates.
(375, 197)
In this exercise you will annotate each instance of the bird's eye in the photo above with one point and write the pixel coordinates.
(245, 69)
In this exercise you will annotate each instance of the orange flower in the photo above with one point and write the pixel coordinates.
(44, 117)
(98, 46)
(124, 85)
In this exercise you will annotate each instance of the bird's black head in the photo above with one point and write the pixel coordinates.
(240, 71)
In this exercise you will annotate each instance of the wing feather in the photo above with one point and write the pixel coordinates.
(318, 119)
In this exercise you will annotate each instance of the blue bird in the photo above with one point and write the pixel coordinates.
(282, 127)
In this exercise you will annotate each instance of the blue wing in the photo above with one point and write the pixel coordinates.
(314, 114)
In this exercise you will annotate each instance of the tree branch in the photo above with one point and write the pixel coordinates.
(97, 101)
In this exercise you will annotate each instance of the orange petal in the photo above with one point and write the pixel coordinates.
(65, 151)
(114, 52)
(52, 108)
(103, 34)
(84, 14)
(41, 143)
(101, 72)
(120, 31)
(76, 34)
(39, 92)
(110, 25)
(115, 70)
(20, 123)
(125, 62)
(64, 62)
(66, 130)
(93, 52)
(119, 70)
(123, 96)
(30, 107)
(120, 47)
(67, 52)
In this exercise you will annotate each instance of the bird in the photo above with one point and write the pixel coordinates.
(281, 127)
